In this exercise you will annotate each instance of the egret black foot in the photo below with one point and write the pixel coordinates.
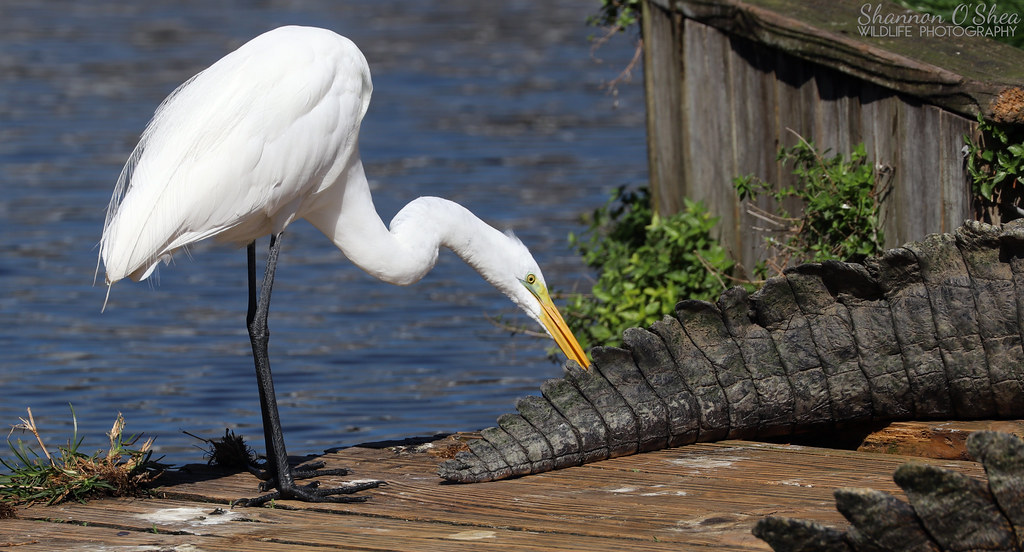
(305, 471)
(313, 493)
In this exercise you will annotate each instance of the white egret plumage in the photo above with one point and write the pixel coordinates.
(268, 135)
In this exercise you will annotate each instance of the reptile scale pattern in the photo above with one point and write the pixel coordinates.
(928, 330)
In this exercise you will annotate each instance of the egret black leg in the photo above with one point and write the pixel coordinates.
(278, 472)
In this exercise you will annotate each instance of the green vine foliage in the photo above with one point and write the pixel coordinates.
(995, 163)
(841, 216)
(618, 14)
(645, 264)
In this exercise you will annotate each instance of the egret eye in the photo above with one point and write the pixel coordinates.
(531, 279)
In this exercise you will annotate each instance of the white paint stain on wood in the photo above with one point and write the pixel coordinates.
(190, 516)
(472, 535)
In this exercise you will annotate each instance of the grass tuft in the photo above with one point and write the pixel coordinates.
(70, 474)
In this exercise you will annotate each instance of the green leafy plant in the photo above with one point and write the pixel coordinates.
(70, 473)
(995, 163)
(645, 264)
(841, 201)
(616, 14)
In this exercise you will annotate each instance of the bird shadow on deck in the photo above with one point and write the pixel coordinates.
(389, 443)
(190, 480)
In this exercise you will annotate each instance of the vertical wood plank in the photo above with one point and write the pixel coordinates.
(754, 138)
(854, 121)
(917, 206)
(879, 125)
(663, 73)
(953, 178)
(797, 95)
(828, 131)
(707, 93)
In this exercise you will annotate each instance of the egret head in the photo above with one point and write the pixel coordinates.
(429, 222)
(521, 279)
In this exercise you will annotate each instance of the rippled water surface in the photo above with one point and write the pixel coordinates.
(496, 105)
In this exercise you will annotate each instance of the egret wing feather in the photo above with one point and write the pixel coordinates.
(240, 150)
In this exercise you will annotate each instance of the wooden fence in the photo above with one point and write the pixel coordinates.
(726, 79)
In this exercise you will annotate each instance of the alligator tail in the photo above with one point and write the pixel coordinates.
(931, 329)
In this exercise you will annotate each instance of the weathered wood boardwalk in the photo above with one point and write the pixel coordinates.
(698, 497)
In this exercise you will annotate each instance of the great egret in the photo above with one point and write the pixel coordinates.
(267, 135)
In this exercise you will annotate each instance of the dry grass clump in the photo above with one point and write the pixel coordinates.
(68, 473)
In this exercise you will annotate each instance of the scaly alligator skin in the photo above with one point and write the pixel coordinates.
(947, 510)
(928, 330)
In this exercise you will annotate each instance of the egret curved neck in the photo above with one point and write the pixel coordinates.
(408, 250)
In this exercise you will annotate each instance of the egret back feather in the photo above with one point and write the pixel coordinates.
(239, 150)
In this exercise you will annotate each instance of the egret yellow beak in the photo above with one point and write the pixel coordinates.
(556, 326)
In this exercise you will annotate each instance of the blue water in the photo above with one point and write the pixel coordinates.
(496, 105)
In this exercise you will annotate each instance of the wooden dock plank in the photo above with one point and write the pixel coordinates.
(698, 497)
(320, 529)
(41, 536)
(934, 439)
